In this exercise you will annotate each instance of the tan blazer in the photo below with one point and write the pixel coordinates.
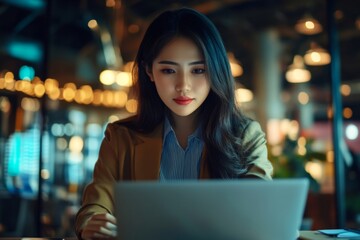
(129, 155)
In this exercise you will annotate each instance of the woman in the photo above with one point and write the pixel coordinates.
(187, 127)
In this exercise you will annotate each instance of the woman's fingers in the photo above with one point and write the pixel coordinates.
(110, 218)
(90, 235)
(100, 226)
(106, 219)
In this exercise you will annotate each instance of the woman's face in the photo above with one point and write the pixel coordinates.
(179, 76)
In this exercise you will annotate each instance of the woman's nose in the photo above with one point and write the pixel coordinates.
(183, 83)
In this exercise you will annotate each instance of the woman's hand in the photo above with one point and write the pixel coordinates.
(100, 226)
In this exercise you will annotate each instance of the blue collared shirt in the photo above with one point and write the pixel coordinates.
(177, 163)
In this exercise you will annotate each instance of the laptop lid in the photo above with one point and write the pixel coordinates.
(210, 209)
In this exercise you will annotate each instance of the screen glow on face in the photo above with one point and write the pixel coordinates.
(179, 74)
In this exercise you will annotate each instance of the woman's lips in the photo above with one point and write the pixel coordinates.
(183, 100)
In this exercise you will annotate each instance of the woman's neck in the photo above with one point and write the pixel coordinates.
(184, 126)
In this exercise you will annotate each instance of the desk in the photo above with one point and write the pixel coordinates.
(38, 238)
(304, 235)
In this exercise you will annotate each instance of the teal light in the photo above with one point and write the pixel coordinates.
(29, 51)
(31, 4)
(26, 73)
(14, 154)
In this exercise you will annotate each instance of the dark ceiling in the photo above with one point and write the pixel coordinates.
(65, 48)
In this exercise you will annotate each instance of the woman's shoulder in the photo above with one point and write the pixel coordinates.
(125, 124)
(128, 122)
(121, 131)
(250, 127)
(131, 127)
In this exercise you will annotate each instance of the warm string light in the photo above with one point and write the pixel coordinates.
(69, 92)
(122, 78)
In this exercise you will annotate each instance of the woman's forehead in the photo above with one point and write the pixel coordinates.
(180, 48)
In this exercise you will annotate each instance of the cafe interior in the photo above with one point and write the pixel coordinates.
(65, 73)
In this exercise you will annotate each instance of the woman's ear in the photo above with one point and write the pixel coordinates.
(149, 73)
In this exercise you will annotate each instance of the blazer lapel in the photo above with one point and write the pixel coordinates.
(147, 155)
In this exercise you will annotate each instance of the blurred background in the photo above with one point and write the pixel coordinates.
(65, 73)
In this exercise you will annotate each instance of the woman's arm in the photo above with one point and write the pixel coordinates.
(95, 216)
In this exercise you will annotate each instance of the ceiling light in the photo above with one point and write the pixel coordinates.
(296, 72)
(308, 26)
(317, 56)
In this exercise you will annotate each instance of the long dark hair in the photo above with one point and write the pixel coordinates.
(222, 121)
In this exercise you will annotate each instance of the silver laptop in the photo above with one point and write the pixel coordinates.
(210, 209)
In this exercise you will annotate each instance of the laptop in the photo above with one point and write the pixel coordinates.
(246, 209)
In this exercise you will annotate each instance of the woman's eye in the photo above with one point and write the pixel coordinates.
(199, 71)
(167, 71)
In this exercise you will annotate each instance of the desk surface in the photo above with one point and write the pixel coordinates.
(38, 238)
(304, 235)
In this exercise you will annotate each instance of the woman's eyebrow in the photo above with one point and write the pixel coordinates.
(168, 62)
(197, 62)
(174, 63)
